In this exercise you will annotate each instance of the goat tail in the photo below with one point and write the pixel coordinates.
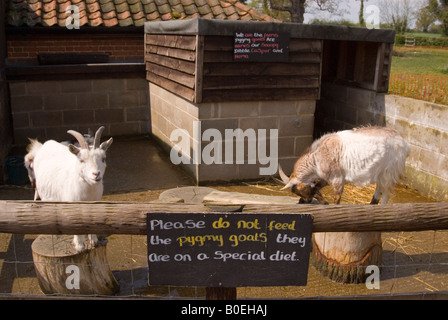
(32, 149)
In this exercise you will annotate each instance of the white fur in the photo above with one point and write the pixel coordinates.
(360, 156)
(68, 173)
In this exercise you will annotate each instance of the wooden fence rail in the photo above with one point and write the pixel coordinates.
(28, 217)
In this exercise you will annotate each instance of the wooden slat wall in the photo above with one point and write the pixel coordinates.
(226, 80)
(171, 63)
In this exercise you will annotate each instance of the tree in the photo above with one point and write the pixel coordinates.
(396, 14)
(362, 22)
(425, 17)
(440, 10)
(296, 8)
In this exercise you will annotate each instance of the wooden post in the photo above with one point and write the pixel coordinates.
(220, 293)
(344, 256)
(62, 270)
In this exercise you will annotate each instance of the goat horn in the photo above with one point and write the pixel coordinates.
(288, 185)
(82, 141)
(284, 177)
(98, 133)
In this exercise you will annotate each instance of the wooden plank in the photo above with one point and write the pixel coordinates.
(173, 41)
(172, 52)
(294, 57)
(379, 67)
(176, 64)
(29, 217)
(305, 45)
(252, 82)
(171, 86)
(171, 74)
(213, 43)
(261, 94)
(295, 45)
(199, 81)
(260, 69)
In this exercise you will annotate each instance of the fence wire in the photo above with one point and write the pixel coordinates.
(413, 263)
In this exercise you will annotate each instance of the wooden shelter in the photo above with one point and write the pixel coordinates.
(196, 76)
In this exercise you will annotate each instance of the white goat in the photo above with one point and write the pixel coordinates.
(29, 157)
(360, 156)
(69, 173)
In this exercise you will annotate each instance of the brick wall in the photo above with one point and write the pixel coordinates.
(25, 47)
(47, 109)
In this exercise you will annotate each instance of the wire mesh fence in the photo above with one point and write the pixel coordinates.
(414, 263)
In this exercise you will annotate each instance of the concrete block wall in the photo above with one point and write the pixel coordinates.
(424, 126)
(421, 123)
(47, 109)
(293, 119)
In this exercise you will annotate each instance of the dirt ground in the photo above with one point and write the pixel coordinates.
(138, 170)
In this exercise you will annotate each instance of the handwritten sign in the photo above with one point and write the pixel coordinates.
(261, 46)
(228, 250)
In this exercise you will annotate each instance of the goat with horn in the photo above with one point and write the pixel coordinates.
(69, 173)
(360, 156)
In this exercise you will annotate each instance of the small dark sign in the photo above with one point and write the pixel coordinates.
(261, 46)
(228, 250)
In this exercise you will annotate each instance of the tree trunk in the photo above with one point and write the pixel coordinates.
(343, 256)
(62, 270)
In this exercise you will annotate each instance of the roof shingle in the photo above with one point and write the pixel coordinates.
(111, 13)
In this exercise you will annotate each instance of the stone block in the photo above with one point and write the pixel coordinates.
(109, 115)
(26, 103)
(123, 99)
(359, 98)
(17, 88)
(137, 114)
(76, 86)
(65, 101)
(43, 87)
(269, 108)
(306, 107)
(45, 118)
(109, 85)
(238, 109)
(89, 100)
(77, 117)
(296, 126)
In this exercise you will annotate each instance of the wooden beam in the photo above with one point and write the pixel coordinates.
(28, 217)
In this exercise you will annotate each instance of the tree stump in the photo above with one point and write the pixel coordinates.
(344, 256)
(62, 270)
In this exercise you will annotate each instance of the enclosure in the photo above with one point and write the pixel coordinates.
(196, 76)
(414, 263)
(332, 78)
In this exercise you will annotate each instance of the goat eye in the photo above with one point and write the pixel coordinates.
(104, 160)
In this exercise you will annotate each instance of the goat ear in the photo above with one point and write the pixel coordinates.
(73, 149)
(105, 145)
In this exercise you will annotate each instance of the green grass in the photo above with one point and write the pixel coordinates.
(422, 34)
(420, 61)
(420, 73)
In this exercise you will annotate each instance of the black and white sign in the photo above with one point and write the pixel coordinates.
(228, 250)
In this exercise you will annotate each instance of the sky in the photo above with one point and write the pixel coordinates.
(350, 6)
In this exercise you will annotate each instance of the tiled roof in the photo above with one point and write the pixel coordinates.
(124, 13)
